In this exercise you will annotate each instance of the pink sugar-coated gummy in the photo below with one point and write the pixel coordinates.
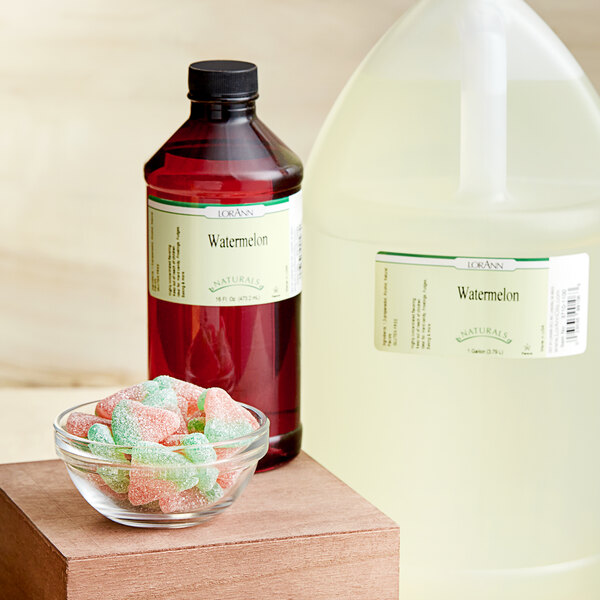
(187, 396)
(105, 407)
(197, 415)
(182, 429)
(173, 440)
(227, 478)
(98, 482)
(220, 405)
(223, 453)
(79, 423)
(143, 488)
(153, 424)
(185, 501)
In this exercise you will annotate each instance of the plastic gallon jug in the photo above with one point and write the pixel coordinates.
(452, 323)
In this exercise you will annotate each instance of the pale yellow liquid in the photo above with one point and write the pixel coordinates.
(490, 466)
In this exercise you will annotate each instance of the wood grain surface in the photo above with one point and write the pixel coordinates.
(296, 532)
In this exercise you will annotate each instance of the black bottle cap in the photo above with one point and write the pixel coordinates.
(227, 80)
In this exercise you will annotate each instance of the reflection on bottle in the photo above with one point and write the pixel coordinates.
(209, 359)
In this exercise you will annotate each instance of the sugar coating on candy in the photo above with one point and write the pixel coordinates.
(186, 501)
(202, 400)
(144, 488)
(197, 449)
(190, 500)
(225, 418)
(137, 393)
(174, 440)
(134, 422)
(165, 464)
(196, 423)
(223, 453)
(79, 423)
(216, 493)
(166, 398)
(187, 393)
(183, 428)
(99, 483)
(115, 478)
(169, 425)
(105, 446)
(164, 381)
(226, 479)
(162, 398)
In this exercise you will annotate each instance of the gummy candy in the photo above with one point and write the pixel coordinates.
(137, 392)
(186, 501)
(97, 481)
(165, 397)
(79, 423)
(187, 393)
(216, 493)
(105, 444)
(227, 478)
(225, 418)
(196, 448)
(196, 423)
(133, 422)
(162, 398)
(176, 469)
(161, 432)
(144, 488)
(173, 440)
(115, 478)
(202, 400)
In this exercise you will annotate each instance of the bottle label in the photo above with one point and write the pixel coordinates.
(499, 307)
(224, 255)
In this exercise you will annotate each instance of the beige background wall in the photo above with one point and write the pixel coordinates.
(88, 90)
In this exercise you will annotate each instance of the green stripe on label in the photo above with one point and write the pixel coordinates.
(454, 257)
(202, 205)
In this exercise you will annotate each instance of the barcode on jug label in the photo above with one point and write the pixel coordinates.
(567, 305)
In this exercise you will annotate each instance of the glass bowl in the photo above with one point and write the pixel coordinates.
(165, 495)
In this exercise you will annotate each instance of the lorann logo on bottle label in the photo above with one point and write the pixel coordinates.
(485, 264)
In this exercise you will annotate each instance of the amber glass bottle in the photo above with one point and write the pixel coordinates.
(224, 253)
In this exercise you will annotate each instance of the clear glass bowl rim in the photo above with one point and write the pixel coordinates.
(244, 440)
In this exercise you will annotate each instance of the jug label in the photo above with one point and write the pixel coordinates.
(224, 254)
(500, 307)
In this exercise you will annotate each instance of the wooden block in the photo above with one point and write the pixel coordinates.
(296, 533)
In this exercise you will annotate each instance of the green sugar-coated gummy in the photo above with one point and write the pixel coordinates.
(218, 430)
(197, 449)
(125, 428)
(177, 468)
(215, 493)
(164, 381)
(133, 422)
(117, 479)
(196, 425)
(201, 400)
(161, 398)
